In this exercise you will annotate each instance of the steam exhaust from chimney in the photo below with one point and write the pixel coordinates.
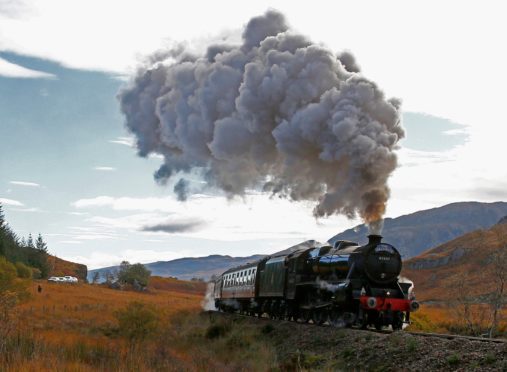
(276, 112)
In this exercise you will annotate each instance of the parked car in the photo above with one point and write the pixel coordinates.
(63, 279)
(70, 279)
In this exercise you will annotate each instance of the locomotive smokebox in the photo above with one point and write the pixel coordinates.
(374, 239)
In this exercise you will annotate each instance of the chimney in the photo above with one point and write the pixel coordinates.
(374, 239)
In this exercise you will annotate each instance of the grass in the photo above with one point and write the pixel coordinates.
(446, 319)
(453, 360)
(74, 328)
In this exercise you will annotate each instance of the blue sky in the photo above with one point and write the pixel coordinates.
(68, 171)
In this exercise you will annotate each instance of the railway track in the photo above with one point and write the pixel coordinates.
(454, 337)
(385, 331)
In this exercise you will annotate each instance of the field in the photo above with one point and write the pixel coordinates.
(74, 327)
(78, 328)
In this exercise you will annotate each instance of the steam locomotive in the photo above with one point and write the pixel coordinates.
(344, 285)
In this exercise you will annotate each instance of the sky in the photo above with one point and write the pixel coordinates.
(68, 168)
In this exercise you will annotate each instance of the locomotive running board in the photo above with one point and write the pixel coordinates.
(319, 306)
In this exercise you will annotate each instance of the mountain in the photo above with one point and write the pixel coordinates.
(414, 233)
(466, 261)
(188, 268)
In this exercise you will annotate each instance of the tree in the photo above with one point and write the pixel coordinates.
(2, 217)
(498, 298)
(96, 277)
(29, 241)
(41, 245)
(108, 276)
(466, 305)
(136, 275)
(37, 255)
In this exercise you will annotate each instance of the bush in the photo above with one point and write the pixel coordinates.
(267, 328)
(136, 275)
(8, 274)
(217, 330)
(23, 270)
(453, 360)
(137, 321)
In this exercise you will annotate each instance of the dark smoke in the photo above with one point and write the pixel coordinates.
(277, 112)
(181, 189)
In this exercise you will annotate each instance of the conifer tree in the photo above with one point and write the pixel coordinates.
(29, 241)
(2, 217)
(41, 245)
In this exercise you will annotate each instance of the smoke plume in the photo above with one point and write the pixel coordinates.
(277, 112)
(208, 302)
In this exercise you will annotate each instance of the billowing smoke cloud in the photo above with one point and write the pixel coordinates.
(181, 189)
(174, 227)
(277, 112)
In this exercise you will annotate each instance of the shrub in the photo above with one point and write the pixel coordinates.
(453, 360)
(267, 328)
(23, 270)
(412, 345)
(135, 275)
(217, 330)
(489, 358)
(8, 274)
(137, 321)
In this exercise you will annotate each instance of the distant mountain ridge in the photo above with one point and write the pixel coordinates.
(417, 232)
(412, 234)
(189, 267)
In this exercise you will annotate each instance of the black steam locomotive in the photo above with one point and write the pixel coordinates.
(346, 285)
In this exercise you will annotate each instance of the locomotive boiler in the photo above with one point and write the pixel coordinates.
(345, 284)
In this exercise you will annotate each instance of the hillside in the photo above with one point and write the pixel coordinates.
(190, 267)
(465, 262)
(34, 253)
(414, 233)
(60, 267)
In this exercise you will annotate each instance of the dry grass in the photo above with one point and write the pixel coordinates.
(74, 328)
(446, 319)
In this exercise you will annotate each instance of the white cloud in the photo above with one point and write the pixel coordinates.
(104, 169)
(98, 259)
(26, 210)
(96, 237)
(125, 141)
(12, 70)
(11, 202)
(256, 216)
(24, 183)
(165, 204)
